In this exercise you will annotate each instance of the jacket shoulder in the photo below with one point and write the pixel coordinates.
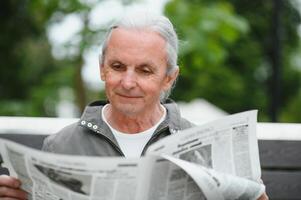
(55, 143)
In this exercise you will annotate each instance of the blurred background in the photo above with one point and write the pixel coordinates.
(235, 55)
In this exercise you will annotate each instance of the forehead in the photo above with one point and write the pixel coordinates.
(143, 44)
(144, 35)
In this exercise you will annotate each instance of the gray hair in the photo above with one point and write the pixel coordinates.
(158, 23)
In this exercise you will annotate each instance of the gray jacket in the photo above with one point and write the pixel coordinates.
(92, 137)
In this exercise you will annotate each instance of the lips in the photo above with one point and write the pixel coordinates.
(129, 96)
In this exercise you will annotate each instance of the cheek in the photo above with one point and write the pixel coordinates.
(111, 80)
(110, 87)
(153, 87)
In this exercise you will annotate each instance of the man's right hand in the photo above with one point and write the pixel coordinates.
(10, 188)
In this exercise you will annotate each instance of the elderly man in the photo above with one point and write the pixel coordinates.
(139, 67)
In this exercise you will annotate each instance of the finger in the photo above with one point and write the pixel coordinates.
(9, 198)
(9, 181)
(7, 192)
(264, 196)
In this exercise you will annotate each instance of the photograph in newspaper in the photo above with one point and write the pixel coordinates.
(201, 155)
(75, 182)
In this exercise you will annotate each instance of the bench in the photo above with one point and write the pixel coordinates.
(280, 158)
(279, 149)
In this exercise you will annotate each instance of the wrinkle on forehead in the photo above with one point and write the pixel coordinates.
(143, 40)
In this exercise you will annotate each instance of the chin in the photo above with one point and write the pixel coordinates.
(129, 109)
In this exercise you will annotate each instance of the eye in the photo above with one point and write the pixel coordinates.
(145, 70)
(117, 66)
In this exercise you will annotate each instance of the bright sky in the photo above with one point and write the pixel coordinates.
(107, 10)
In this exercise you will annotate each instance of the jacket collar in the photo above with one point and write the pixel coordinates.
(92, 118)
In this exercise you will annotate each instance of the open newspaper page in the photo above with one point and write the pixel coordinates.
(220, 185)
(51, 176)
(227, 145)
(47, 176)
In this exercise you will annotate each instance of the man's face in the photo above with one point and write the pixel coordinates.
(134, 71)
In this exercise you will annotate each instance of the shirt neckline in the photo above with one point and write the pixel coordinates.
(139, 134)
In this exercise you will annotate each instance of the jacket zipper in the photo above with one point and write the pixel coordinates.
(152, 138)
(108, 139)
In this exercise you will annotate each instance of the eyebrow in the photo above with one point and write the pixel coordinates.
(144, 63)
(112, 60)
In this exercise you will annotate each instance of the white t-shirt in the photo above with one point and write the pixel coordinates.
(132, 144)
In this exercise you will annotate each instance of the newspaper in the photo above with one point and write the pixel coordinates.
(48, 176)
(227, 145)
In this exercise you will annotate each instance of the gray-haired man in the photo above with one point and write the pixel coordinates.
(138, 64)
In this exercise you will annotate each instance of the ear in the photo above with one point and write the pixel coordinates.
(170, 79)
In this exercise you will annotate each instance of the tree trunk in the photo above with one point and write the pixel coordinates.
(80, 90)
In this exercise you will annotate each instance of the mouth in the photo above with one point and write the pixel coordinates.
(129, 96)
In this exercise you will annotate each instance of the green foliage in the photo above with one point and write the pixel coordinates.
(18, 37)
(208, 29)
(260, 23)
(30, 78)
(225, 55)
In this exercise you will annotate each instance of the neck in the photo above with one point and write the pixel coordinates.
(133, 124)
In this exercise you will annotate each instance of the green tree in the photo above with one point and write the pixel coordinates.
(226, 57)
(261, 35)
(27, 67)
(30, 77)
(207, 31)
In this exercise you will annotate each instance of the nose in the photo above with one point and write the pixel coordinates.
(128, 80)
